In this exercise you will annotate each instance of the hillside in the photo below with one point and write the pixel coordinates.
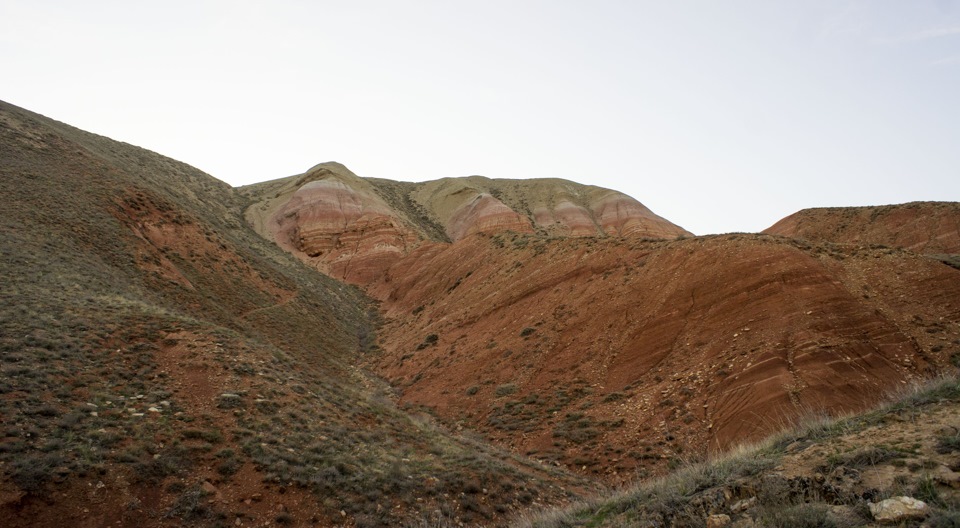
(474, 349)
(163, 364)
(923, 227)
(612, 352)
(613, 356)
(852, 471)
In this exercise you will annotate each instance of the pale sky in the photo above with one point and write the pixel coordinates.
(719, 115)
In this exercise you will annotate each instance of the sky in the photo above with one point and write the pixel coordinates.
(719, 116)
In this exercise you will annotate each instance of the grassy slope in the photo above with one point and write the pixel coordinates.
(822, 472)
(130, 283)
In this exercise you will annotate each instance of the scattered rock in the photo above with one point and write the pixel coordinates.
(210, 489)
(719, 520)
(898, 509)
(743, 505)
(948, 477)
(842, 483)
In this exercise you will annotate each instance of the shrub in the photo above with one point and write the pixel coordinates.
(428, 341)
(926, 490)
(190, 505)
(32, 474)
(869, 456)
(948, 443)
(944, 519)
(797, 516)
(229, 466)
(614, 396)
(213, 436)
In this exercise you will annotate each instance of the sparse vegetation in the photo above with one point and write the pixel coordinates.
(156, 351)
(749, 482)
(429, 341)
(146, 334)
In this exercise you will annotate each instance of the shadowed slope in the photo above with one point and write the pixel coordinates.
(163, 365)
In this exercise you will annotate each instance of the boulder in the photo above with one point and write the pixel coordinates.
(898, 509)
(719, 520)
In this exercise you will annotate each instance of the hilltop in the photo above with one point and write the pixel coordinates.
(924, 227)
(354, 228)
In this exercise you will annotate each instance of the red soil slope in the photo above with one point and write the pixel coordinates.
(924, 227)
(610, 355)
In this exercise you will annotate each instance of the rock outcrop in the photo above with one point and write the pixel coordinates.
(335, 220)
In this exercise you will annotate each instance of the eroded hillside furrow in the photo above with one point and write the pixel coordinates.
(571, 324)
(611, 356)
(161, 364)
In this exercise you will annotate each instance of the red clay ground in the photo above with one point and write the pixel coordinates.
(611, 356)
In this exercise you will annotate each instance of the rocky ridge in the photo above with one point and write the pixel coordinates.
(354, 228)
